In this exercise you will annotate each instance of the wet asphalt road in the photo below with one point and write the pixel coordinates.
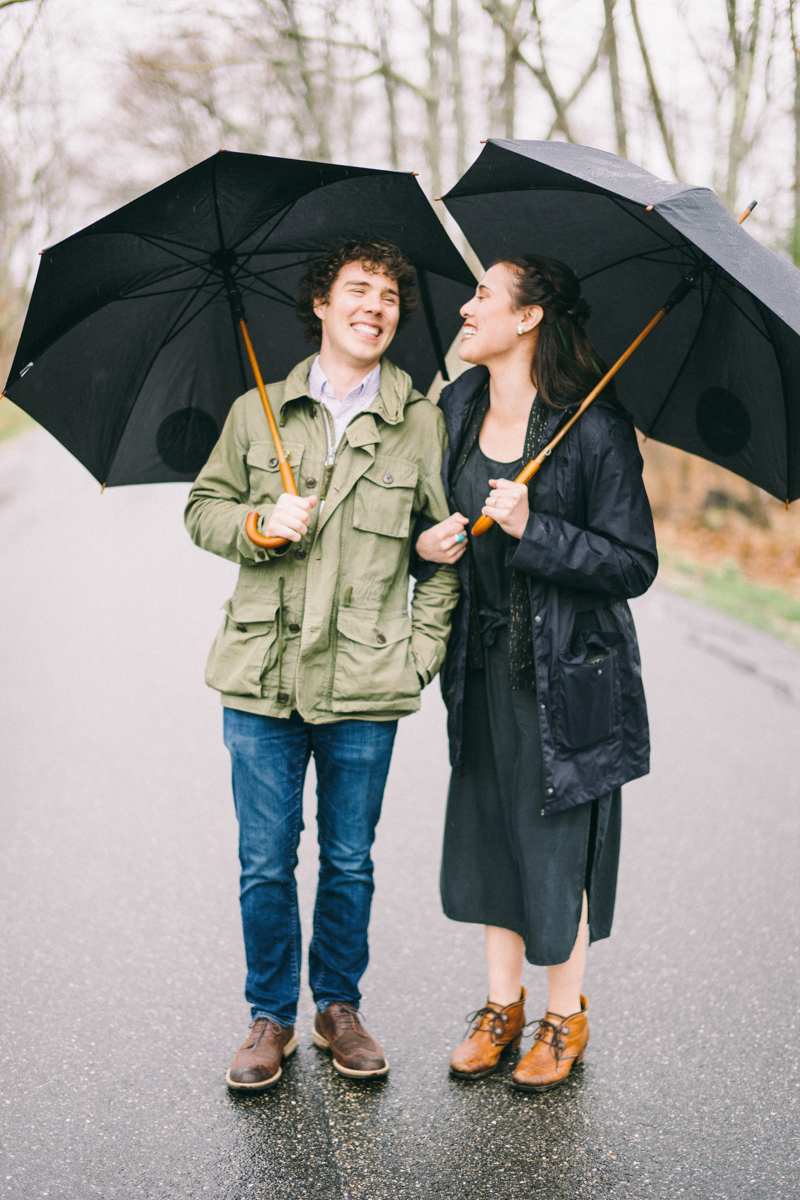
(122, 964)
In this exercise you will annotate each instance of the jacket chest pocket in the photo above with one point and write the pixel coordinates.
(384, 497)
(262, 468)
(587, 710)
(244, 650)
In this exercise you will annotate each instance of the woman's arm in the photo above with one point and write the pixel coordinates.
(615, 552)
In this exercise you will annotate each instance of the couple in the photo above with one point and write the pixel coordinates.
(540, 669)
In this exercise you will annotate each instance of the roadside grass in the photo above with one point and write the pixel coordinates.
(726, 589)
(13, 420)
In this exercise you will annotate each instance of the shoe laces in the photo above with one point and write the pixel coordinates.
(542, 1028)
(346, 1017)
(265, 1023)
(497, 1023)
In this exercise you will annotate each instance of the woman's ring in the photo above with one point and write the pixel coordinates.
(491, 501)
(461, 537)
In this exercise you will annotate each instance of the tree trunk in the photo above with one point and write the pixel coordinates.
(795, 242)
(610, 46)
(655, 95)
(389, 82)
(744, 55)
(433, 140)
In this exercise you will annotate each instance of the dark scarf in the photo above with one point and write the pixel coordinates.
(522, 659)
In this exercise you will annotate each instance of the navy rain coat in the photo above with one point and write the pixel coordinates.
(589, 546)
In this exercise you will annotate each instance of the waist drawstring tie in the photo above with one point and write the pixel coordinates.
(281, 640)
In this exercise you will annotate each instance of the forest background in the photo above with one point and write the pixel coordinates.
(103, 99)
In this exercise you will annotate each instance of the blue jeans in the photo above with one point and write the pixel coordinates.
(269, 757)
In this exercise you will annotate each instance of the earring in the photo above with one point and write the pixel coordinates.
(520, 330)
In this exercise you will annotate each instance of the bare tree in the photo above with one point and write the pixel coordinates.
(655, 95)
(795, 231)
(743, 41)
(610, 51)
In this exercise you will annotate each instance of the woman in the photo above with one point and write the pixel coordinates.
(542, 680)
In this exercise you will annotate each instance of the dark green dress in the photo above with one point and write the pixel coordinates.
(503, 862)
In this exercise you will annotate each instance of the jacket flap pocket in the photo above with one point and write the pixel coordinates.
(370, 628)
(392, 472)
(262, 455)
(243, 611)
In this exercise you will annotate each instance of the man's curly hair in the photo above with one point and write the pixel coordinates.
(323, 271)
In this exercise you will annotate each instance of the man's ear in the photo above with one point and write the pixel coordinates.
(319, 309)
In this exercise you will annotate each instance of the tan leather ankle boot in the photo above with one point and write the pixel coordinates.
(496, 1029)
(558, 1045)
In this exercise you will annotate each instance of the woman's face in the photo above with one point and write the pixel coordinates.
(491, 320)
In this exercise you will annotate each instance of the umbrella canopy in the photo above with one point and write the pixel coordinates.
(720, 377)
(131, 353)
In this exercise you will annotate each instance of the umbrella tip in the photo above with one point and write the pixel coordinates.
(102, 488)
(484, 141)
(787, 503)
(747, 212)
(650, 208)
(414, 173)
(222, 149)
(437, 197)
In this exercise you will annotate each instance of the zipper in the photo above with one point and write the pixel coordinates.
(330, 456)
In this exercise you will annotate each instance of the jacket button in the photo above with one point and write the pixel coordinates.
(312, 412)
(299, 553)
(311, 481)
(549, 791)
(294, 628)
(537, 620)
(260, 554)
(283, 697)
(381, 638)
(242, 628)
(273, 462)
(543, 706)
(388, 479)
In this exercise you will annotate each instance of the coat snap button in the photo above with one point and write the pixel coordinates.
(388, 479)
(283, 697)
(537, 620)
(311, 481)
(273, 462)
(542, 706)
(260, 554)
(549, 791)
(381, 638)
(294, 628)
(242, 628)
(299, 553)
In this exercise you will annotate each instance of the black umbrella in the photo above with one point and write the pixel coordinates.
(721, 378)
(132, 351)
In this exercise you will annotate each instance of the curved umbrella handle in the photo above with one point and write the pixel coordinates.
(289, 485)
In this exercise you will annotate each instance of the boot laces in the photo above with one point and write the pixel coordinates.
(497, 1023)
(542, 1028)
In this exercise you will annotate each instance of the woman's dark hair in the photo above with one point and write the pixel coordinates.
(323, 271)
(565, 364)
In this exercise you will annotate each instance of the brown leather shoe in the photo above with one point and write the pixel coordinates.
(558, 1045)
(257, 1065)
(496, 1029)
(355, 1053)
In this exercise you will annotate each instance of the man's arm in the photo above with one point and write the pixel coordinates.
(220, 497)
(435, 593)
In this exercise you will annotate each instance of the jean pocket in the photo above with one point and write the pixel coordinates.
(587, 701)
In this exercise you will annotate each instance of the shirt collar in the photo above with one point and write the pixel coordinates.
(319, 388)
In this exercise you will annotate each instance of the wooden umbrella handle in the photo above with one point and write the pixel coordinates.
(289, 485)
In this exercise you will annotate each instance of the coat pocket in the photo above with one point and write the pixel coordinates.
(375, 668)
(244, 650)
(384, 497)
(262, 468)
(588, 694)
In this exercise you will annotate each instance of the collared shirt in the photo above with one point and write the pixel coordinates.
(356, 401)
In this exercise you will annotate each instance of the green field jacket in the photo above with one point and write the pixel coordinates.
(323, 625)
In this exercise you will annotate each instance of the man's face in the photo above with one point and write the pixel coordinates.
(360, 316)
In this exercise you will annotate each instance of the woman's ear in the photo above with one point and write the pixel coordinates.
(530, 317)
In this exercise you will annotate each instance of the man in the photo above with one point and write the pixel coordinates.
(317, 653)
